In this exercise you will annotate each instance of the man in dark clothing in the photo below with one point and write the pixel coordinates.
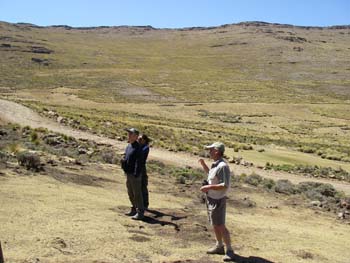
(144, 142)
(132, 164)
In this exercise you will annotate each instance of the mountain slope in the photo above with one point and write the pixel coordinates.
(246, 62)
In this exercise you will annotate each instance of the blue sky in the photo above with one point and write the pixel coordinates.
(175, 13)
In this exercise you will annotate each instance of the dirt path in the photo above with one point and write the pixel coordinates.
(16, 113)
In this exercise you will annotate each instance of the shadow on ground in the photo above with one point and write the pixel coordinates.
(240, 259)
(156, 214)
(237, 259)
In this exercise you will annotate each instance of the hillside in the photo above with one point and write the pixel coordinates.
(246, 62)
(283, 90)
(277, 95)
(69, 205)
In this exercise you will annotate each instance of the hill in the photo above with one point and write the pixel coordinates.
(276, 95)
(245, 62)
(278, 86)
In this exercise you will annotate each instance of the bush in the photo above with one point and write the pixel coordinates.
(3, 159)
(247, 147)
(34, 136)
(14, 148)
(317, 191)
(314, 195)
(284, 187)
(268, 183)
(327, 190)
(253, 179)
(3, 156)
(109, 157)
(307, 150)
(181, 180)
(29, 160)
(306, 186)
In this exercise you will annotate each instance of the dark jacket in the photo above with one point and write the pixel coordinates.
(145, 151)
(133, 163)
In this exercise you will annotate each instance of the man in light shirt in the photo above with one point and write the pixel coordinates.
(218, 185)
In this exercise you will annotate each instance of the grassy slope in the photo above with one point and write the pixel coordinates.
(290, 85)
(52, 221)
(232, 63)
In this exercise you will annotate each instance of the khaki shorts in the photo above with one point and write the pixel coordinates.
(216, 211)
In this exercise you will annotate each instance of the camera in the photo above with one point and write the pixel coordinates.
(205, 182)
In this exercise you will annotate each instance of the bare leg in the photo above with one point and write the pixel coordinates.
(218, 235)
(224, 235)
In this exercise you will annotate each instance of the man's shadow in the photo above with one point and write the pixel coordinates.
(153, 220)
(240, 259)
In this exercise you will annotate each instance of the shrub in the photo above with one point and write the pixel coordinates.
(29, 160)
(307, 150)
(313, 194)
(109, 157)
(247, 147)
(241, 177)
(306, 186)
(284, 187)
(14, 148)
(181, 179)
(3, 158)
(317, 191)
(327, 190)
(253, 179)
(34, 136)
(268, 183)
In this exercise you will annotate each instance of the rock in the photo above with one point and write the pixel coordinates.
(248, 203)
(272, 206)
(315, 203)
(345, 203)
(53, 139)
(41, 50)
(341, 215)
(299, 49)
(61, 119)
(82, 150)
(52, 113)
(45, 62)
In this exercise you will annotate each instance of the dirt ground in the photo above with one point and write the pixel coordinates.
(75, 213)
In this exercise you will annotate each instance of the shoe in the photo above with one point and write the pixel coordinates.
(216, 250)
(132, 212)
(229, 256)
(138, 216)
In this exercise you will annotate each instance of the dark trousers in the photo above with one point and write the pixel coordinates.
(133, 184)
(145, 189)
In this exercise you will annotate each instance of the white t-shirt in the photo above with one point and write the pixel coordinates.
(219, 174)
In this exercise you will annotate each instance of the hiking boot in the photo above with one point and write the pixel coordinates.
(216, 250)
(229, 256)
(132, 212)
(138, 216)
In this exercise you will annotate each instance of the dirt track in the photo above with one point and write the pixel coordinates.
(16, 113)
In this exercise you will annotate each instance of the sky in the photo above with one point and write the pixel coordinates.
(174, 13)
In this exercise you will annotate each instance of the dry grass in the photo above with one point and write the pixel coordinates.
(45, 219)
